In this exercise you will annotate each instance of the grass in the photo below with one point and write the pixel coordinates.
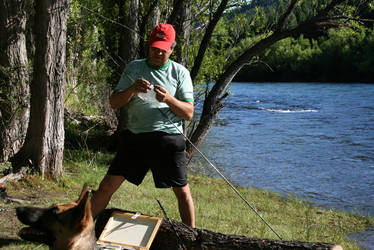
(217, 207)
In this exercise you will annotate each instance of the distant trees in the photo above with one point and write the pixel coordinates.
(216, 39)
(344, 55)
(347, 55)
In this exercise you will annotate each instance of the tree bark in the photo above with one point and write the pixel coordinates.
(14, 76)
(44, 143)
(153, 11)
(180, 18)
(213, 102)
(128, 46)
(129, 39)
(14, 176)
(175, 235)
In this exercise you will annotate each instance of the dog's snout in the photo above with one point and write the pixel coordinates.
(29, 215)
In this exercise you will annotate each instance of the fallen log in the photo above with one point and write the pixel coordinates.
(176, 235)
(14, 176)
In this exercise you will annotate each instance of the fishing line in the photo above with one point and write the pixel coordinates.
(216, 169)
(109, 20)
(193, 145)
(224, 177)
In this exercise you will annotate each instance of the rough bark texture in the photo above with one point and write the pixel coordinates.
(128, 46)
(213, 102)
(14, 77)
(44, 143)
(153, 11)
(14, 176)
(175, 235)
(128, 43)
(181, 18)
(155, 17)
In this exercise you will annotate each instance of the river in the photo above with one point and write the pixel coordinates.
(312, 140)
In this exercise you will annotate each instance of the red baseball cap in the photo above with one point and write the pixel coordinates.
(162, 36)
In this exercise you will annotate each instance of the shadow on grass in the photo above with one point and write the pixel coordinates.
(90, 135)
(8, 241)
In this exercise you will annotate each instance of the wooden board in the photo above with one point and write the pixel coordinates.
(130, 230)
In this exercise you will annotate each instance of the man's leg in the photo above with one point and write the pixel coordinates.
(185, 205)
(102, 196)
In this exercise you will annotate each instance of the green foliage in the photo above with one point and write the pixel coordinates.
(366, 62)
(292, 54)
(214, 61)
(88, 72)
(94, 64)
(342, 55)
(341, 50)
(88, 89)
(86, 133)
(231, 37)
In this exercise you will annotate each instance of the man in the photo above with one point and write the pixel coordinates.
(153, 139)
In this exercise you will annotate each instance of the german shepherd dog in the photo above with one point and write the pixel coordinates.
(62, 226)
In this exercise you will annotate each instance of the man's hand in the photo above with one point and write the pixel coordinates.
(140, 85)
(120, 98)
(162, 95)
(182, 109)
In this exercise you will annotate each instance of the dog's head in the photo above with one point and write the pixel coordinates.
(59, 226)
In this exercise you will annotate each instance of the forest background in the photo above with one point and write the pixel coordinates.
(60, 58)
(323, 55)
(345, 55)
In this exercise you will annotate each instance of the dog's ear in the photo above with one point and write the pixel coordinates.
(82, 212)
(83, 192)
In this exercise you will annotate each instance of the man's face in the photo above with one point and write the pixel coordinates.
(159, 57)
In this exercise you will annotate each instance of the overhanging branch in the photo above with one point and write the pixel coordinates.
(284, 17)
(331, 16)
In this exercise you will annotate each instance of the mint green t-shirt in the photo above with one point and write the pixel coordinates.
(144, 117)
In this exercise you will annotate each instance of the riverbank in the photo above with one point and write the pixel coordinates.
(308, 139)
(217, 207)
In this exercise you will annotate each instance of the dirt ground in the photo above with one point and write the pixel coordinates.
(13, 197)
(9, 224)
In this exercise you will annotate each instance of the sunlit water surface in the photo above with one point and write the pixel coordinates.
(312, 140)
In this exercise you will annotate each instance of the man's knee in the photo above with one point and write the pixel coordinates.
(183, 193)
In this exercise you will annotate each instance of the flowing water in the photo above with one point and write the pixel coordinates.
(313, 140)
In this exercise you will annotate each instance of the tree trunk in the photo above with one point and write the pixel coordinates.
(175, 235)
(213, 102)
(153, 12)
(180, 18)
(44, 143)
(128, 42)
(156, 17)
(14, 77)
(128, 46)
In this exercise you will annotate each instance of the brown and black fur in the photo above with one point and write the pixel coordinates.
(62, 226)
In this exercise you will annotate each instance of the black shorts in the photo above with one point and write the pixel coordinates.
(163, 153)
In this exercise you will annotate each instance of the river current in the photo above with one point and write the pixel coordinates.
(311, 140)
